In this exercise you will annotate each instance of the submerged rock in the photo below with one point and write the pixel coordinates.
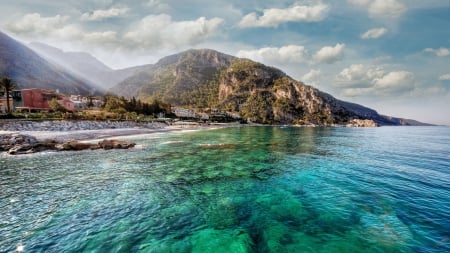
(237, 241)
(104, 144)
(115, 144)
(218, 146)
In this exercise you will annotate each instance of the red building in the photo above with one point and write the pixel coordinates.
(38, 99)
(67, 103)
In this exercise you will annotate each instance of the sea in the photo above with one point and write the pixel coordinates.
(242, 189)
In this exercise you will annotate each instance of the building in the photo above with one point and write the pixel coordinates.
(67, 103)
(38, 100)
(184, 113)
(85, 102)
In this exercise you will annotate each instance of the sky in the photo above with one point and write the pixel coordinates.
(390, 55)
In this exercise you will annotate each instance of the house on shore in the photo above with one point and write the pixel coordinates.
(185, 113)
(37, 100)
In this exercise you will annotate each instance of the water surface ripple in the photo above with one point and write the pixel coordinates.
(249, 189)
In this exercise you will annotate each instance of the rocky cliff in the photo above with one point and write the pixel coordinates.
(209, 79)
(267, 95)
(181, 79)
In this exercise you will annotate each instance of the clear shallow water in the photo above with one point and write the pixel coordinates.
(253, 189)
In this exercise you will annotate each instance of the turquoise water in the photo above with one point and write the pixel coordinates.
(251, 189)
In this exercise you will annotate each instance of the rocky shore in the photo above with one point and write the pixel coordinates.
(16, 144)
(25, 137)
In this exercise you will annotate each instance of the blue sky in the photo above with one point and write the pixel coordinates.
(390, 55)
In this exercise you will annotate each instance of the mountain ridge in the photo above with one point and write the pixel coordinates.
(84, 65)
(200, 78)
(30, 70)
(205, 78)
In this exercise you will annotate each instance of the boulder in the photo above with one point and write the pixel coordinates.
(15, 144)
(21, 149)
(9, 141)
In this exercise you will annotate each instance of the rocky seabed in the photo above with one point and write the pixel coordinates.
(63, 126)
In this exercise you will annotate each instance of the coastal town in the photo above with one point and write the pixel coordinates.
(35, 100)
(37, 120)
(38, 100)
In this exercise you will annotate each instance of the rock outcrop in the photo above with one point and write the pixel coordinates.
(16, 144)
(261, 94)
(75, 145)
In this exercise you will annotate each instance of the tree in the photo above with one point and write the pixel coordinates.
(56, 106)
(90, 102)
(115, 104)
(8, 85)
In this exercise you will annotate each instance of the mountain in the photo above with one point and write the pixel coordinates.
(195, 78)
(210, 79)
(30, 70)
(84, 65)
(173, 77)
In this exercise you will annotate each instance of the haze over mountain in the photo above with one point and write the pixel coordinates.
(30, 70)
(84, 65)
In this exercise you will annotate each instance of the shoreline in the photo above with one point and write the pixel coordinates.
(100, 134)
(29, 142)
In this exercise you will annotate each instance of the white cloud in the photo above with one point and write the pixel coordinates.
(374, 80)
(274, 17)
(441, 52)
(358, 75)
(330, 54)
(374, 33)
(57, 28)
(382, 8)
(34, 23)
(395, 81)
(160, 31)
(114, 12)
(359, 2)
(386, 8)
(286, 54)
(158, 5)
(294, 54)
(152, 32)
(445, 77)
(312, 77)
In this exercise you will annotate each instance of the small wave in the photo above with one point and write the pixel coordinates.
(171, 142)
